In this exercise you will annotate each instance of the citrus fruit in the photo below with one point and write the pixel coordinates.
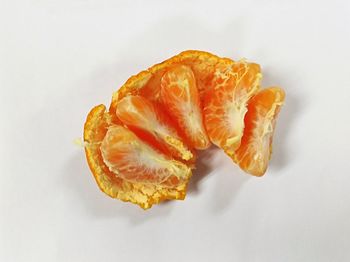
(180, 97)
(138, 113)
(255, 150)
(142, 149)
(225, 102)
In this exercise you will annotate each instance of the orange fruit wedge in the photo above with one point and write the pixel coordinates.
(255, 150)
(225, 104)
(142, 149)
(135, 161)
(140, 113)
(180, 98)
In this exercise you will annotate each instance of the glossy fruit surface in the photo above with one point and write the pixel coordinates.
(180, 97)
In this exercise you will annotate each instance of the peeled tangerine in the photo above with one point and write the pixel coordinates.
(143, 148)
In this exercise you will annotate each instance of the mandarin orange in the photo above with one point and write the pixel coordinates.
(140, 150)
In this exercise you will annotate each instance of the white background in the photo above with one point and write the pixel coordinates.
(60, 58)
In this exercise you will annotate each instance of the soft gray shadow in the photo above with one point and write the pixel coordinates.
(229, 182)
(78, 177)
(227, 188)
(203, 168)
(284, 126)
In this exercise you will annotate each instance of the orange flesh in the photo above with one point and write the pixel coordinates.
(180, 98)
(135, 161)
(254, 153)
(138, 112)
(225, 103)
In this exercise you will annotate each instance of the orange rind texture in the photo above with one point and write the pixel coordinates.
(223, 95)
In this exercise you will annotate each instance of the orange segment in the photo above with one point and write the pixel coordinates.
(144, 195)
(180, 97)
(225, 102)
(147, 82)
(136, 111)
(254, 153)
(135, 161)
